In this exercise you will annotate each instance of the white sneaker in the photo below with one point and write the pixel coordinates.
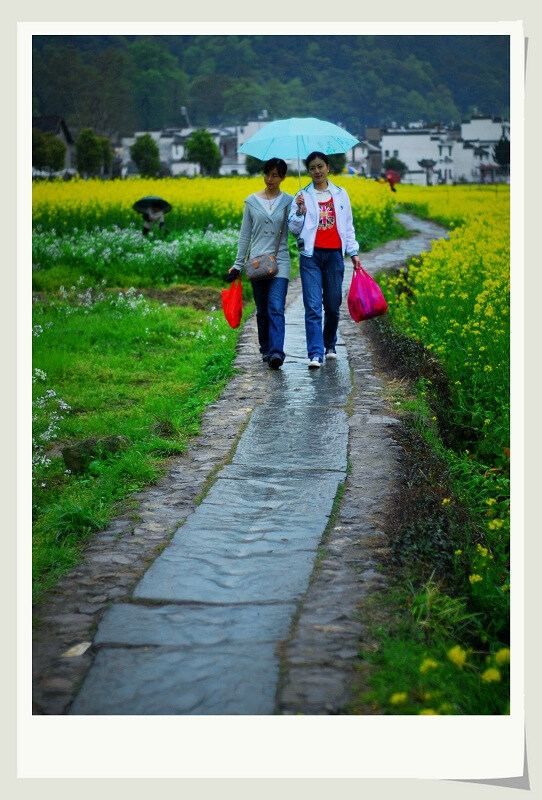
(331, 353)
(315, 363)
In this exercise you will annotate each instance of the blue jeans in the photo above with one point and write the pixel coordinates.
(322, 281)
(270, 298)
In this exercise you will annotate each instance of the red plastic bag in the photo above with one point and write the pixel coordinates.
(232, 303)
(365, 298)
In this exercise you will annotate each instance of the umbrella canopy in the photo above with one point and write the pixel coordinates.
(296, 138)
(151, 201)
(393, 176)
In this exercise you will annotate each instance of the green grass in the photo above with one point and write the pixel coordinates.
(440, 634)
(124, 258)
(123, 366)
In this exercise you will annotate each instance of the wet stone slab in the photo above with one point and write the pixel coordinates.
(276, 575)
(253, 539)
(226, 679)
(295, 437)
(190, 626)
(296, 386)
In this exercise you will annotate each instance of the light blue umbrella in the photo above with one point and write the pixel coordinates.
(296, 138)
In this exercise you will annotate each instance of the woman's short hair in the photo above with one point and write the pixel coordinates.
(275, 163)
(316, 154)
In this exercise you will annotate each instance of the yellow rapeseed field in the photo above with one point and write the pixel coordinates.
(197, 202)
(455, 299)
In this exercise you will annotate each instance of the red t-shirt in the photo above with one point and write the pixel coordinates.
(327, 235)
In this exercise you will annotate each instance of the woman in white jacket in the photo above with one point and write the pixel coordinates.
(321, 218)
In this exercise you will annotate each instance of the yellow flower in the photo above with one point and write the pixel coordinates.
(475, 578)
(491, 501)
(427, 664)
(457, 552)
(428, 711)
(491, 674)
(502, 656)
(457, 656)
(398, 697)
(482, 550)
(424, 320)
(495, 524)
(445, 501)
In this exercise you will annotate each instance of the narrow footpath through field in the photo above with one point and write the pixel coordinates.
(252, 606)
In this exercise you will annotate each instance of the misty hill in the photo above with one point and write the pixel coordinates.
(118, 84)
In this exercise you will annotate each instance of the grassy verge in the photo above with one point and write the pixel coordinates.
(113, 364)
(440, 634)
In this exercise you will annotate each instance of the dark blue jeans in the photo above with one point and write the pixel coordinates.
(270, 298)
(322, 281)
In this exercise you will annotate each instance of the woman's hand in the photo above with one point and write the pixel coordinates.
(301, 208)
(356, 262)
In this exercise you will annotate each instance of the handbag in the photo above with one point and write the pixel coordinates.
(365, 298)
(265, 266)
(232, 303)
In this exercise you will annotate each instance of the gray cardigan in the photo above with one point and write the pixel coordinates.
(260, 231)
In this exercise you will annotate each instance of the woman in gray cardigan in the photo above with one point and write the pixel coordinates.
(262, 220)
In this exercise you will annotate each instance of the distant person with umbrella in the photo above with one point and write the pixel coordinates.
(152, 209)
(392, 178)
(321, 218)
(263, 221)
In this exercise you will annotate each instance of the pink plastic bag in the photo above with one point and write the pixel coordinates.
(365, 298)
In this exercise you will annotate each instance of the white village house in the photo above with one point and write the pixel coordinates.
(447, 155)
(171, 144)
(432, 154)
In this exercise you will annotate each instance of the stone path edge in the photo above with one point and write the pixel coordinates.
(115, 558)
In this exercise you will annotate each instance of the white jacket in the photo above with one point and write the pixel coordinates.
(306, 226)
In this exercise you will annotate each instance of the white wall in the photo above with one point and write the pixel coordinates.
(409, 147)
(464, 163)
(484, 130)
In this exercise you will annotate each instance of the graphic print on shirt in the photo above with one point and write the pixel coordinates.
(327, 215)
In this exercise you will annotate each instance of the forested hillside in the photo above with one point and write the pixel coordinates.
(118, 84)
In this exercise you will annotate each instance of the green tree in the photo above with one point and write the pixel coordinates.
(501, 152)
(201, 148)
(207, 98)
(396, 164)
(88, 152)
(57, 152)
(244, 100)
(146, 156)
(107, 154)
(160, 87)
(337, 162)
(253, 165)
(48, 152)
(39, 149)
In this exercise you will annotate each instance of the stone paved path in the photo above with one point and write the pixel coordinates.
(233, 617)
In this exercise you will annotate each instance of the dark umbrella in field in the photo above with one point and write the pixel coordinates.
(152, 202)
